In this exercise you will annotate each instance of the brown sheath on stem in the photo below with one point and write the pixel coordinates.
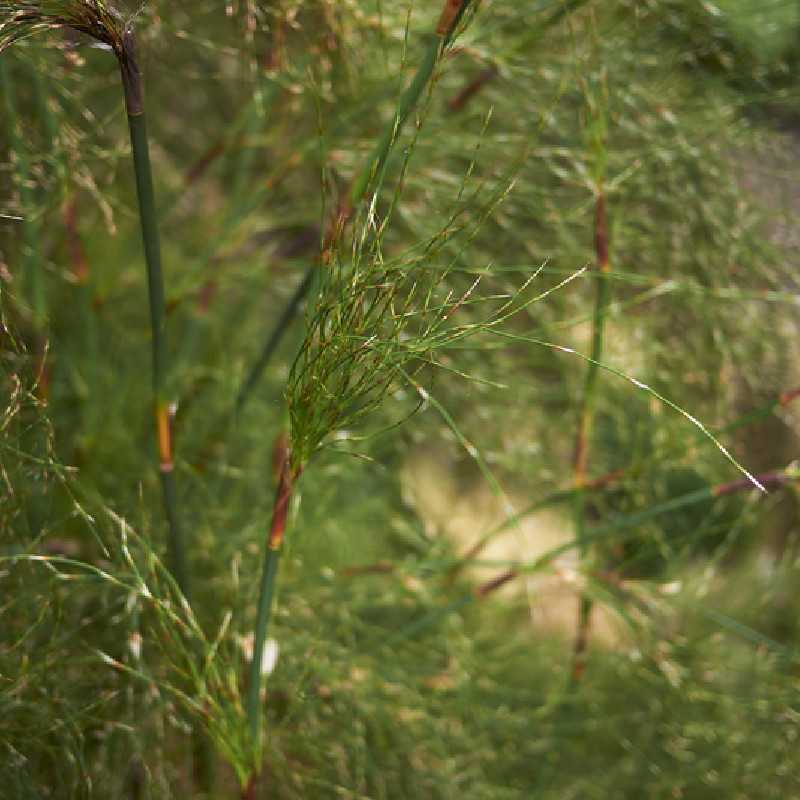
(163, 426)
(283, 494)
(280, 455)
(249, 791)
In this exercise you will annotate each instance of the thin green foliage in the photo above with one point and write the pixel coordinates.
(376, 324)
(369, 176)
(413, 637)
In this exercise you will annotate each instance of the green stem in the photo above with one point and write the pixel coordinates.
(177, 542)
(408, 101)
(202, 756)
(271, 345)
(266, 592)
(586, 415)
(363, 181)
(148, 218)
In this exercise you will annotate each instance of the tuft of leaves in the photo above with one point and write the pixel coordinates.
(376, 325)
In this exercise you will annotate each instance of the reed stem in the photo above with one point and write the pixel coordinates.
(272, 553)
(586, 415)
(148, 218)
(271, 345)
(266, 593)
(203, 767)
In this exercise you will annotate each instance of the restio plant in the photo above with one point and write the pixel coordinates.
(547, 245)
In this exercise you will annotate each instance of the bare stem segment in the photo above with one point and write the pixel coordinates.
(287, 477)
(148, 217)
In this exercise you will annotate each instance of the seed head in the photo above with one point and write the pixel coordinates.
(20, 19)
(96, 18)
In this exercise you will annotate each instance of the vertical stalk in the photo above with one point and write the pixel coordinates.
(597, 135)
(202, 759)
(288, 475)
(451, 16)
(586, 415)
(148, 218)
(271, 345)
